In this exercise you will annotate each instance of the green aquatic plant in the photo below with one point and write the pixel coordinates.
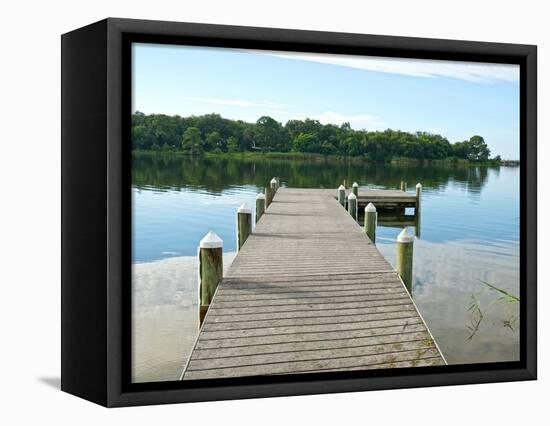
(477, 312)
(508, 296)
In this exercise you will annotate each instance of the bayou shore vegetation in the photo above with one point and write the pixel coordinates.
(212, 134)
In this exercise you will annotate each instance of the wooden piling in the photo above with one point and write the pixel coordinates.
(210, 270)
(342, 195)
(355, 188)
(273, 185)
(418, 197)
(404, 259)
(403, 185)
(352, 205)
(268, 196)
(244, 224)
(371, 218)
(260, 206)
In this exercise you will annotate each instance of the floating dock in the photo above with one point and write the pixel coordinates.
(309, 292)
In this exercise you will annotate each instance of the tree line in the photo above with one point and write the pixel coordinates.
(216, 174)
(196, 135)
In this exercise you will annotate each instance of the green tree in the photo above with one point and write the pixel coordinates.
(270, 135)
(169, 133)
(479, 151)
(328, 148)
(232, 144)
(192, 141)
(306, 142)
(213, 141)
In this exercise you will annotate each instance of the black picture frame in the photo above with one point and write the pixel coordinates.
(96, 207)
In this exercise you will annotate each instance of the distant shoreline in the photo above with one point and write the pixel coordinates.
(273, 155)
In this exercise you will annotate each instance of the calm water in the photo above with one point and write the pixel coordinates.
(469, 232)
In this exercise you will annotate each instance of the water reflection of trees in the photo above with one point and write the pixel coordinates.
(218, 174)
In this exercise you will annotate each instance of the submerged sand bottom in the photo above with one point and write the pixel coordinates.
(164, 316)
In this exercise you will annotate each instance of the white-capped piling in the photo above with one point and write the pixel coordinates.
(268, 196)
(210, 270)
(404, 258)
(273, 184)
(371, 219)
(260, 206)
(244, 224)
(418, 197)
(352, 205)
(355, 189)
(342, 195)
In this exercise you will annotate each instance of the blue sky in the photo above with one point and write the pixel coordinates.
(454, 99)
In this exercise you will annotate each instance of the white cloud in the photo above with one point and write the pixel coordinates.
(357, 121)
(468, 71)
(242, 103)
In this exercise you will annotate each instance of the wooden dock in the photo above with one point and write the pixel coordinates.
(309, 292)
(382, 198)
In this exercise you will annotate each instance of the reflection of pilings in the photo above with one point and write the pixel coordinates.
(210, 270)
(404, 258)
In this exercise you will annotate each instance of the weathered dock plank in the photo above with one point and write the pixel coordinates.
(309, 292)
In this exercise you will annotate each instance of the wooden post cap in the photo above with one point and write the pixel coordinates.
(244, 209)
(260, 196)
(352, 196)
(405, 237)
(370, 208)
(211, 240)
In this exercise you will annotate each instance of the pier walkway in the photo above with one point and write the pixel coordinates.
(309, 292)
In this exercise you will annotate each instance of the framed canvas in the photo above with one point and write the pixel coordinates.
(254, 212)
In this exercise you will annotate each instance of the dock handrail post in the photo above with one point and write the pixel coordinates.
(244, 224)
(260, 206)
(210, 270)
(342, 195)
(418, 197)
(355, 189)
(371, 218)
(352, 205)
(404, 258)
